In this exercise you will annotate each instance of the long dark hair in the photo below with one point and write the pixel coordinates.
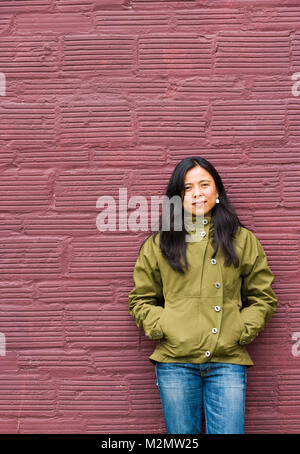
(225, 220)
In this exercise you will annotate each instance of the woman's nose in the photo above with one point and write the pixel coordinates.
(197, 191)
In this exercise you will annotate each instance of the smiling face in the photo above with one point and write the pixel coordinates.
(200, 191)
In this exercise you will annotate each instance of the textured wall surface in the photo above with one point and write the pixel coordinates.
(99, 95)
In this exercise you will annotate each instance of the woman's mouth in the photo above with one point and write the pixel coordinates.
(199, 203)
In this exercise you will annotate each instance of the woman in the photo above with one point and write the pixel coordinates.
(204, 300)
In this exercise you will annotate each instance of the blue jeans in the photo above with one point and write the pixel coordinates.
(186, 388)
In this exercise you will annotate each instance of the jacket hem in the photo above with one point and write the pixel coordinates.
(244, 360)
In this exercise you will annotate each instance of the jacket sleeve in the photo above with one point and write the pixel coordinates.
(256, 289)
(147, 293)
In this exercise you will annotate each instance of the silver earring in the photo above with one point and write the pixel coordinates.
(217, 200)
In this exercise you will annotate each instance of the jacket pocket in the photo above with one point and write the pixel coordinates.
(180, 326)
(160, 322)
(242, 323)
(232, 327)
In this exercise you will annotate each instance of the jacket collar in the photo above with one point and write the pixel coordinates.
(197, 224)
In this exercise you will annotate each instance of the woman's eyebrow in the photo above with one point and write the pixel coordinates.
(201, 181)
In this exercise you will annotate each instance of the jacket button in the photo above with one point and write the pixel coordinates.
(207, 353)
(214, 330)
(213, 261)
(203, 234)
(217, 308)
(217, 285)
(204, 221)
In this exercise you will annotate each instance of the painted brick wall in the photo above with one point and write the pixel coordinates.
(102, 94)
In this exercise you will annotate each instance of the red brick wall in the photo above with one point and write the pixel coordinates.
(103, 94)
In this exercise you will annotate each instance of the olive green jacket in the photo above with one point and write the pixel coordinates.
(203, 318)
